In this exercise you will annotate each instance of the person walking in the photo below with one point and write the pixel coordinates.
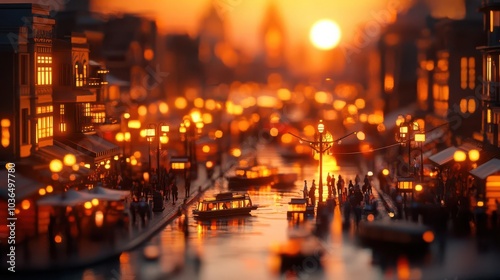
(305, 192)
(133, 210)
(351, 187)
(340, 188)
(332, 186)
(187, 189)
(329, 184)
(312, 193)
(175, 193)
(143, 211)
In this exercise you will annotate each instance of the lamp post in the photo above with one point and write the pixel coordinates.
(157, 132)
(321, 129)
(420, 139)
(463, 158)
(189, 129)
(411, 131)
(321, 147)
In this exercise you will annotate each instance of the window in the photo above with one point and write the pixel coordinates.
(98, 113)
(423, 90)
(44, 70)
(441, 95)
(468, 71)
(45, 122)
(78, 75)
(62, 118)
(467, 105)
(86, 109)
(494, 19)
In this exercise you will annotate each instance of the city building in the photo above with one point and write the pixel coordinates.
(487, 174)
(49, 109)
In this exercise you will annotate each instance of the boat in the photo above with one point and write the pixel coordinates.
(257, 175)
(223, 205)
(301, 254)
(395, 234)
(299, 206)
(285, 180)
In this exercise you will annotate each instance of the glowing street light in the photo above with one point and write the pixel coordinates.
(321, 147)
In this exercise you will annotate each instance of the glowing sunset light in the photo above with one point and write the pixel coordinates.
(325, 34)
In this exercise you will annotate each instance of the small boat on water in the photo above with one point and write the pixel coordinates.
(299, 206)
(301, 254)
(257, 175)
(285, 180)
(223, 205)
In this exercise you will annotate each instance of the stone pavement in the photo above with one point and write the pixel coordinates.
(35, 255)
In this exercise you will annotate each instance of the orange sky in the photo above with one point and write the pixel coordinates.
(244, 17)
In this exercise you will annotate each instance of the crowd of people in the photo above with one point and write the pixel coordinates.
(353, 197)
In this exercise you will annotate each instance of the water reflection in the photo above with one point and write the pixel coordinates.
(213, 227)
(245, 247)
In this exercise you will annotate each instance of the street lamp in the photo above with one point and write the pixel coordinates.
(420, 139)
(411, 131)
(321, 129)
(460, 157)
(320, 147)
(189, 129)
(158, 133)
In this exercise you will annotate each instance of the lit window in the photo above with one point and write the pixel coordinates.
(45, 122)
(44, 70)
(472, 105)
(463, 72)
(463, 106)
(472, 72)
(494, 19)
(468, 72)
(441, 94)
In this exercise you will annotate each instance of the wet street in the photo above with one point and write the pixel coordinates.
(243, 247)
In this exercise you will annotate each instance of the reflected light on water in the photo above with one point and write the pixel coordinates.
(403, 268)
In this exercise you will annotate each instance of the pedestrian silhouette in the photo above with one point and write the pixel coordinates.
(175, 193)
(144, 210)
(312, 193)
(305, 192)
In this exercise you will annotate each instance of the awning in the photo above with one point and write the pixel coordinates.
(92, 145)
(443, 157)
(24, 186)
(486, 169)
(58, 151)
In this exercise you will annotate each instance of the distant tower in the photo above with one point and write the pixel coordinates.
(213, 49)
(211, 33)
(273, 34)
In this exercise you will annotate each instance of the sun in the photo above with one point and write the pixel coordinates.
(325, 34)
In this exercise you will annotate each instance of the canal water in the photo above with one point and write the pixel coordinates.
(245, 247)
